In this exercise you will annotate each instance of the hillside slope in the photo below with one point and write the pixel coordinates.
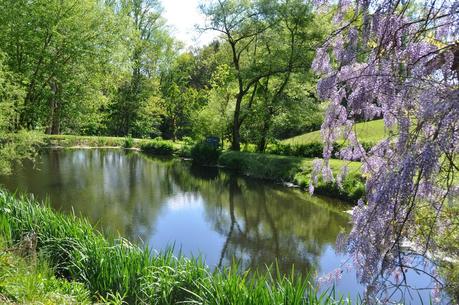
(372, 131)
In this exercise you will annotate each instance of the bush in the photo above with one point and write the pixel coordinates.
(296, 170)
(205, 154)
(185, 149)
(263, 166)
(128, 142)
(309, 150)
(158, 147)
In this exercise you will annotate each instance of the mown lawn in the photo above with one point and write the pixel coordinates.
(372, 131)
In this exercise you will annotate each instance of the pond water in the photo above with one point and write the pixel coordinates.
(199, 211)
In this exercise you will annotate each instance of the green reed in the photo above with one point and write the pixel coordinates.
(115, 267)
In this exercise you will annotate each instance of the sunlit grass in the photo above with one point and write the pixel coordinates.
(29, 280)
(370, 132)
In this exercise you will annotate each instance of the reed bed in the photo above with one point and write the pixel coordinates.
(115, 267)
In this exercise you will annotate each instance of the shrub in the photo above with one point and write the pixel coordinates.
(308, 150)
(185, 149)
(158, 147)
(205, 154)
(128, 142)
(294, 169)
(263, 166)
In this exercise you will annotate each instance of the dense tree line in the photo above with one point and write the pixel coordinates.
(97, 67)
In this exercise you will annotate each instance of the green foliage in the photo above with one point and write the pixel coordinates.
(65, 68)
(128, 142)
(309, 150)
(29, 280)
(118, 268)
(296, 170)
(158, 147)
(85, 141)
(443, 228)
(215, 116)
(262, 166)
(262, 68)
(185, 149)
(15, 144)
(205, 154)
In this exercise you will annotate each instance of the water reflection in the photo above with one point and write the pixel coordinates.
(203, 211)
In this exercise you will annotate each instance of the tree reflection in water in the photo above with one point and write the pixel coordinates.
(129, 194)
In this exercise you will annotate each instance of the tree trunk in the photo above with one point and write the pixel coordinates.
(262, 143)
(174, 130)
(236, 135)
(55, 105)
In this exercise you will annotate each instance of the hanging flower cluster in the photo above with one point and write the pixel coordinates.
(397, 61)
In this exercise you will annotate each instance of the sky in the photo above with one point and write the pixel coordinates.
(182, 16)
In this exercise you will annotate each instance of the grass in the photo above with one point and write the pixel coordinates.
(296, 170)
(73, 141)
(369, 132)
(78, 253)
(29, 280)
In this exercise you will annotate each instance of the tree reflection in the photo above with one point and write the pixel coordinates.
(126, 194)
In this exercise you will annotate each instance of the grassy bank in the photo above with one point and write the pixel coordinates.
(272, 167)
(154, 146)
(76, 252)
(370, 132)
(27, 279)
(295, 170)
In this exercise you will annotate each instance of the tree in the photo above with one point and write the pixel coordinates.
(178, 98)
(14, 144)
(281, 113)
(398, 60)
(53, 49)
(150, 43)
(248, 29)
(215, 117)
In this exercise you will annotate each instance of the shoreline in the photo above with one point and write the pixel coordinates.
(286, 170)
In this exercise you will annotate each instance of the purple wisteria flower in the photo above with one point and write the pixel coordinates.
(394, 61)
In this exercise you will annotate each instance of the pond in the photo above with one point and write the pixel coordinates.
(198, 211)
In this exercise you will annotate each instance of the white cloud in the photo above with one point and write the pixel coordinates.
(182, 16)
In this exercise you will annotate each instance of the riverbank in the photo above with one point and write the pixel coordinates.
(297, 171)
(27, 279)
(275, 168)
(74, 250)
(73, 141)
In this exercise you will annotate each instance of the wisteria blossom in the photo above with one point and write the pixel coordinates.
(397, 61)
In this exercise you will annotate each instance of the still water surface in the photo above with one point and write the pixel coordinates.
(199, 211)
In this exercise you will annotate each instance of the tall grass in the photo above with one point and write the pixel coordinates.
(137, 276)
